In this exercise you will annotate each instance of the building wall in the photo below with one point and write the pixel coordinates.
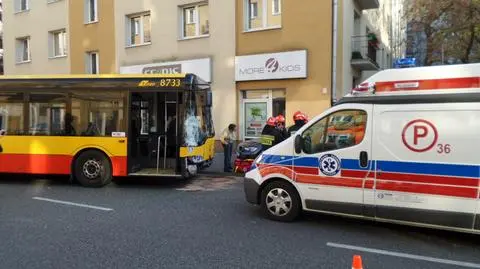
(167, 45)
(99, 36)
(35, 23)
(304, 26)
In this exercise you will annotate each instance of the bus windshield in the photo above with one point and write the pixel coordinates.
(198, 124)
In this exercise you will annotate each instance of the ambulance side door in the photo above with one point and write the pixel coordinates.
(332, 159)
(427, 166)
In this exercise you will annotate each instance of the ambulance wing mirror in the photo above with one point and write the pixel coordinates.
(298, 144)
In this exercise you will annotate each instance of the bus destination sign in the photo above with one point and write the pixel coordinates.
(164, 82)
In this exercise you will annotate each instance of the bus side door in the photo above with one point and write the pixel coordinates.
(333, 166)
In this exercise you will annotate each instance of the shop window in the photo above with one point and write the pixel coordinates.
(97, 113)
(339, 130)
(11, 113)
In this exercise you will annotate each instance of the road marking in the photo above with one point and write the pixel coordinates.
(72, 204)
(405, 255)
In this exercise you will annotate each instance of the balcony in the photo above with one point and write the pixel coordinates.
(364, 53)
(367, 4)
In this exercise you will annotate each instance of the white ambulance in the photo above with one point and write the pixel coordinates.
(403, 147)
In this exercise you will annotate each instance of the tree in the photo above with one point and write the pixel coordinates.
(451, 27)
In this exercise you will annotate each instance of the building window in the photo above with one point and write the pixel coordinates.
(138, 29)
(91, 11)
(92, 63)
(276, 7)
(23, 49)
(195, 21)
(21, 5)
(58, 43)
(262, 14)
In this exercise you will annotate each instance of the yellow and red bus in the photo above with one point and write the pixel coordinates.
(96, 127)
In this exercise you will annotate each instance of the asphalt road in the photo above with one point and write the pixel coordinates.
(204, 223)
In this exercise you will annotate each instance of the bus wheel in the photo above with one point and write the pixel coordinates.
(280, 201)
(93, 169)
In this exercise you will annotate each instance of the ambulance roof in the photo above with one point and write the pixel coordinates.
(437, 84)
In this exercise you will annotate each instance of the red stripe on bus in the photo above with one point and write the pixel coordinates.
(35, 164)
(44, 164)
(464, 192)
(119, 166)
(430, 84)
(457, 181)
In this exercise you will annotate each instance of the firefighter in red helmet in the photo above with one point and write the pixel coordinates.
(281, 126)
(271, 135)
(300, 119)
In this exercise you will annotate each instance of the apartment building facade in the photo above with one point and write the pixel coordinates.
(365, 41)
(283, 60)
(180, 36)
(59, 36)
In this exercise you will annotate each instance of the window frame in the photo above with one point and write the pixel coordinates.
(196, 20)
(52, 40)
(265, 11)
(87, 14)
(21, 60)
(18, 6)
(325, 134)
(89, 62)
(250, 13)
(141, 29)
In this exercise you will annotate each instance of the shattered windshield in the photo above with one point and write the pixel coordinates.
(198, 119)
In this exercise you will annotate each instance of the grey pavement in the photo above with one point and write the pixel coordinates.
(203, 223)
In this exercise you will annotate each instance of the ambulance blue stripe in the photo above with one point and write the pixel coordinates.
(456, 170)
(436, 169)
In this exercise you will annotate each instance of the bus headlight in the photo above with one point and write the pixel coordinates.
(196, 159)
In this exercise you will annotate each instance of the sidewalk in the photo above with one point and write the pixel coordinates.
(217, 166)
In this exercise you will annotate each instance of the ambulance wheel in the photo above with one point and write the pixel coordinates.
(92, 168)
(280, 201)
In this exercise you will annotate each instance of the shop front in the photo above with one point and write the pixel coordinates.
(266, 85)
(200, 67)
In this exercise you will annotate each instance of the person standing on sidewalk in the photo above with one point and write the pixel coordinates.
(227, 138)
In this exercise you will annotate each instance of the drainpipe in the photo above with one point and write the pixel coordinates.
(334, 53)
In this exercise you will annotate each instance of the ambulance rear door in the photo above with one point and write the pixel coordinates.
(427, 163)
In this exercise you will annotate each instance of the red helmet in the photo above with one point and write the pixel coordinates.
(299, 116)
(271, 121)
(280, 118)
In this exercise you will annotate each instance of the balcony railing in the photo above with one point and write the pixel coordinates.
(364, 53)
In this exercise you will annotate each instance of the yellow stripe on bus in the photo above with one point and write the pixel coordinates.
(112, 146)
(100, 76)
(207, 150)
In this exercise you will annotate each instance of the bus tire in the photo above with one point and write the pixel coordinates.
(280, 201)
(92, 168)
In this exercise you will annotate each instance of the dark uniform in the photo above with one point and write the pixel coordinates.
(271, 136)
(293, 129)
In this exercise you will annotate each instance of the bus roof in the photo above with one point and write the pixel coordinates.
(114, 81)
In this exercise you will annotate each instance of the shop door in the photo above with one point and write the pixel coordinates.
(255, 114)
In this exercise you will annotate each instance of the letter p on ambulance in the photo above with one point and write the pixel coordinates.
(419, 135)
(419, 131)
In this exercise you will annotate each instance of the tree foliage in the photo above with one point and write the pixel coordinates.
(451, 28)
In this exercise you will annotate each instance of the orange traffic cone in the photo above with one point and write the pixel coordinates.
(357, 262)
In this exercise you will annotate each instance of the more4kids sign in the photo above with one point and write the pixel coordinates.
(283, 65)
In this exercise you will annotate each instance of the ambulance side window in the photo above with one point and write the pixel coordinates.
(341, 129)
